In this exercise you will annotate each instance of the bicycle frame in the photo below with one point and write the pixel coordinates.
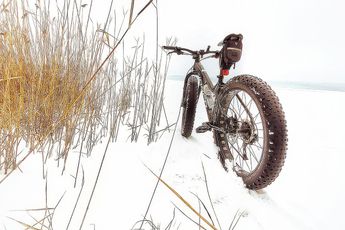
(205, 79)
(200, 71)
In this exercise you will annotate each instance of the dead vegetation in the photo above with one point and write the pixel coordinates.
(63, 86)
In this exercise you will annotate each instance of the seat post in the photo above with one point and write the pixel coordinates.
(220, 79)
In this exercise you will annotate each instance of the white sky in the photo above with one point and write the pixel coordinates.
(283, 40)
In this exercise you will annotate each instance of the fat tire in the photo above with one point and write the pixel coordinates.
(273, 118)
(189, 106)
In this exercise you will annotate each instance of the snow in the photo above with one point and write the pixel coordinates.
(307, 195)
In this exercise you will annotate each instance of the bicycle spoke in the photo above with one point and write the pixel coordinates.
(251, 163)
(244, 108)
(233, 108)
(240, 155)
(253, 154)
(249, 104)
(249, 107)
(259, 147)
(256, 116)
(239, 108)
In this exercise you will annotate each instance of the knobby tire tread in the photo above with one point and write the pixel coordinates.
(191, 100)
(274, 155)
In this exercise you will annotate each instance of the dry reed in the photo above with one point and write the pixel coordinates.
(48, 102)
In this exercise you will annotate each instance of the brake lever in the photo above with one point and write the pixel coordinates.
(208, 48)
(178, 52)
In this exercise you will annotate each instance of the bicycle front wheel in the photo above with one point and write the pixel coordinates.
(190, 101)
(255, 137)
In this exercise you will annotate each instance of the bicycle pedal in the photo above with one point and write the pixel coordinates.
(203, 128)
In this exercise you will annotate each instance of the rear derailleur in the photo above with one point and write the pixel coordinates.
(233, 128)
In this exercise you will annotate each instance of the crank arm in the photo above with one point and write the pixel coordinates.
(207, 126)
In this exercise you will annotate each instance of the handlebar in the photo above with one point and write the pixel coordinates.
(185, 51)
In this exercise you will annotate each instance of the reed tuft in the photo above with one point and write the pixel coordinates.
(49, 100)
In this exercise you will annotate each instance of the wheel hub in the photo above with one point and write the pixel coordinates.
(247, 132)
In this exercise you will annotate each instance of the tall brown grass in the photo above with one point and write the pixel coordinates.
(46, 100)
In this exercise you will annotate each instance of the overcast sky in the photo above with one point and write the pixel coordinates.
(283, 40)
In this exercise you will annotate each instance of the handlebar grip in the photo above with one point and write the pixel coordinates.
(169, 47)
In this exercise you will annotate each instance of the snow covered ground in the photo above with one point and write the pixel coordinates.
(307, 195)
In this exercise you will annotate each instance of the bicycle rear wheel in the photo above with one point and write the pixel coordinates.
(256, 135)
